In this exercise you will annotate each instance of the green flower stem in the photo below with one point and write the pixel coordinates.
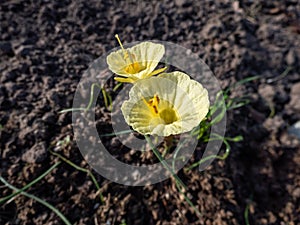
(246, 214)
(55, 210)
(162, 160)
(221, 157)
(117, 86)
(247, 209)
(175, 157)
(188, 200)
(116, 133)
(179, 183)
(72, 110)
(107, 100)
(30, 184)
(89, 173)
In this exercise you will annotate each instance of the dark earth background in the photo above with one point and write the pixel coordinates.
(45, 46)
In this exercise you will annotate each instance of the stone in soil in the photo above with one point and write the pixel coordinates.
(36, 154)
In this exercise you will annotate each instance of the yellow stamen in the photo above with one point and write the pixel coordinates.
(157, 72)
(133, 67)
(153, 104)
(166, 113)
(126, 54)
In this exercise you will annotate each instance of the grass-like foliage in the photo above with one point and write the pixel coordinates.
(217, 111)
(21, 191)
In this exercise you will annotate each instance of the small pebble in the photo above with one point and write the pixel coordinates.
(36, 154)
(295, 129)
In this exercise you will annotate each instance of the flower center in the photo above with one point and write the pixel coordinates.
(133, 66)
(168, 115)
(162, 109)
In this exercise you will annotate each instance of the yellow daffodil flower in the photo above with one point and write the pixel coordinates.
(168, 104)
(137, 62)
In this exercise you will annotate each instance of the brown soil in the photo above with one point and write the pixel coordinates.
(45, 46)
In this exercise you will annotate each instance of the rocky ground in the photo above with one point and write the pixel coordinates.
(45, 46)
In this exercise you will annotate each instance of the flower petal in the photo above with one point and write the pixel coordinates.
(187, 97)
(146, 54)
(124, 80)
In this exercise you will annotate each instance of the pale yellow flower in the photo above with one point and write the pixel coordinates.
(168, 104)
(137, 62)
